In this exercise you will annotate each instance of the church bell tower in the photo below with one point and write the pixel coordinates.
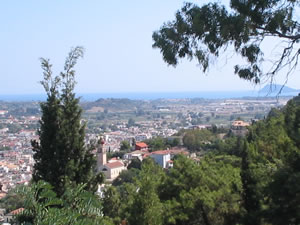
(101, 155)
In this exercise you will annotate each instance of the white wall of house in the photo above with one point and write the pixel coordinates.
(161, 159)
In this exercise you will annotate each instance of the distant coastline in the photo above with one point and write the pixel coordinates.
(152, 95)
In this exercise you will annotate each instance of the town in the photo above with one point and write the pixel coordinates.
(119, 120)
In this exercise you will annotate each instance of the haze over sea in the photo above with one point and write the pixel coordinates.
(152, 95)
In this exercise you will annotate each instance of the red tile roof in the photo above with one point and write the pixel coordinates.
(162, 152)
(114, 165)
(170, 151)
(17, 211)
(141, 145)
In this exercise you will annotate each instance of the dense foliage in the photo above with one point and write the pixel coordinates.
(75, 206)
(159, 143)
(196, 140)
(12, 201)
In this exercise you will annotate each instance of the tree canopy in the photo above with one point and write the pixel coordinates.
(205, 32)
(76, 206)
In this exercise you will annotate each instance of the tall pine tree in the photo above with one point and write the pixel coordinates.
(61, 156)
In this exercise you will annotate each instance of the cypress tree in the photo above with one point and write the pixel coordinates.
(62, 157)
(46, 150)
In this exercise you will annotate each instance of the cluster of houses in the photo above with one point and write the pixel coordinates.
(113, 167)
(16, 158)
(15, 169)
(147, 130)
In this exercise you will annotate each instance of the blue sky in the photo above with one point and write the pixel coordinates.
(117, 38)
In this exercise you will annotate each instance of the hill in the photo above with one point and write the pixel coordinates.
(113, 104)
(272, 88)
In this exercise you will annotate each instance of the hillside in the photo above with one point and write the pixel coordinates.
(113, 104)
(275, 88)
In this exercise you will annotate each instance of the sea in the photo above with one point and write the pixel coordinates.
(152, 95)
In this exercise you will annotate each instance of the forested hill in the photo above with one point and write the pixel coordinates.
(113, 104)
(270, 170)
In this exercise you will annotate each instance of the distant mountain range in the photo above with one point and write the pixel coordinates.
(275, 88)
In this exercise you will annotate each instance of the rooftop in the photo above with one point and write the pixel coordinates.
(141, 145)
(114, 164)
(17, 211)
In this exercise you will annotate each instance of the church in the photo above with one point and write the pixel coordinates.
(111, 168)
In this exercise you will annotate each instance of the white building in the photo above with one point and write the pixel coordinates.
(163, 158)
